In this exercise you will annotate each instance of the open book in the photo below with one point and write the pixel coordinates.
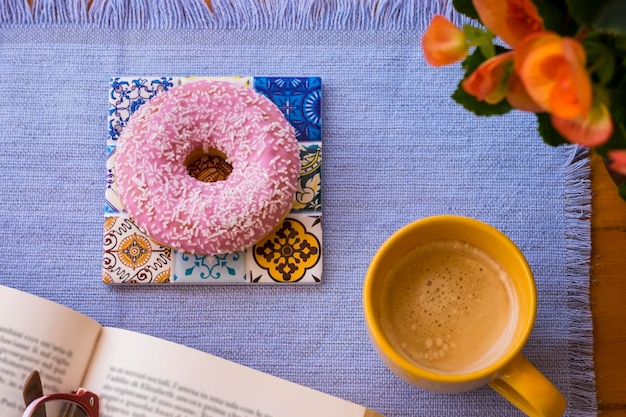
(135, 374)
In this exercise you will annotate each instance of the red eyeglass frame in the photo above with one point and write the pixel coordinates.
(85, 399)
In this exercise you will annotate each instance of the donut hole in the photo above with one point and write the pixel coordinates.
(208, 166)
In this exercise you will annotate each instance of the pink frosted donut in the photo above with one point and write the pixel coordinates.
(207, 118)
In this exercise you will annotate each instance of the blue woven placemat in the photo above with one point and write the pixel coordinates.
(397, 148)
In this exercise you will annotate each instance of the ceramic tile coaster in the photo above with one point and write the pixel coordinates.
(292, 253)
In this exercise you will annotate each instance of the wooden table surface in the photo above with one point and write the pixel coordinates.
(608, 290)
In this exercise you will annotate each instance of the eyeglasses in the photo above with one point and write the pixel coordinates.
(81, 403)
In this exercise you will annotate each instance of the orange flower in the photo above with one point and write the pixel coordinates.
(488, 81)
(617, 161)
(593, 130)
(518, 97)
(552, 69)
(443, 43)
(512, 20)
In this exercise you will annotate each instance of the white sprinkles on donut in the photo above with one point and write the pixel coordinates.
(207, 118)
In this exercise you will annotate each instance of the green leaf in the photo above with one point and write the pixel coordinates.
(620, 72)
(620, 43)
(473, 34)
(612, 18)
(466, 7)
(488, 49)
(618, 99)
(607, 16)
(601, 59)
(583, 11)
(618, 114)
(472, 61)
(481, 38)
(552, 14)
(548, 132)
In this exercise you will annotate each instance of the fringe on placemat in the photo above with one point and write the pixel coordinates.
(583, 401)
(227, 14)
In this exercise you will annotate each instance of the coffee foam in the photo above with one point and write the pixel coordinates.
(449, 307)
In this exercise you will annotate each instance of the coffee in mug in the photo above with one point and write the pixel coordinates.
(449, 303)
(449, 307)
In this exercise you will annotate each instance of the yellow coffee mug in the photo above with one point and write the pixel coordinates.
(509, 373)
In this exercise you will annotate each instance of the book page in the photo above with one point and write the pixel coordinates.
(37, 334)
(140, 376)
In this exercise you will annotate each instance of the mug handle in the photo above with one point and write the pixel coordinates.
(527, 389)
